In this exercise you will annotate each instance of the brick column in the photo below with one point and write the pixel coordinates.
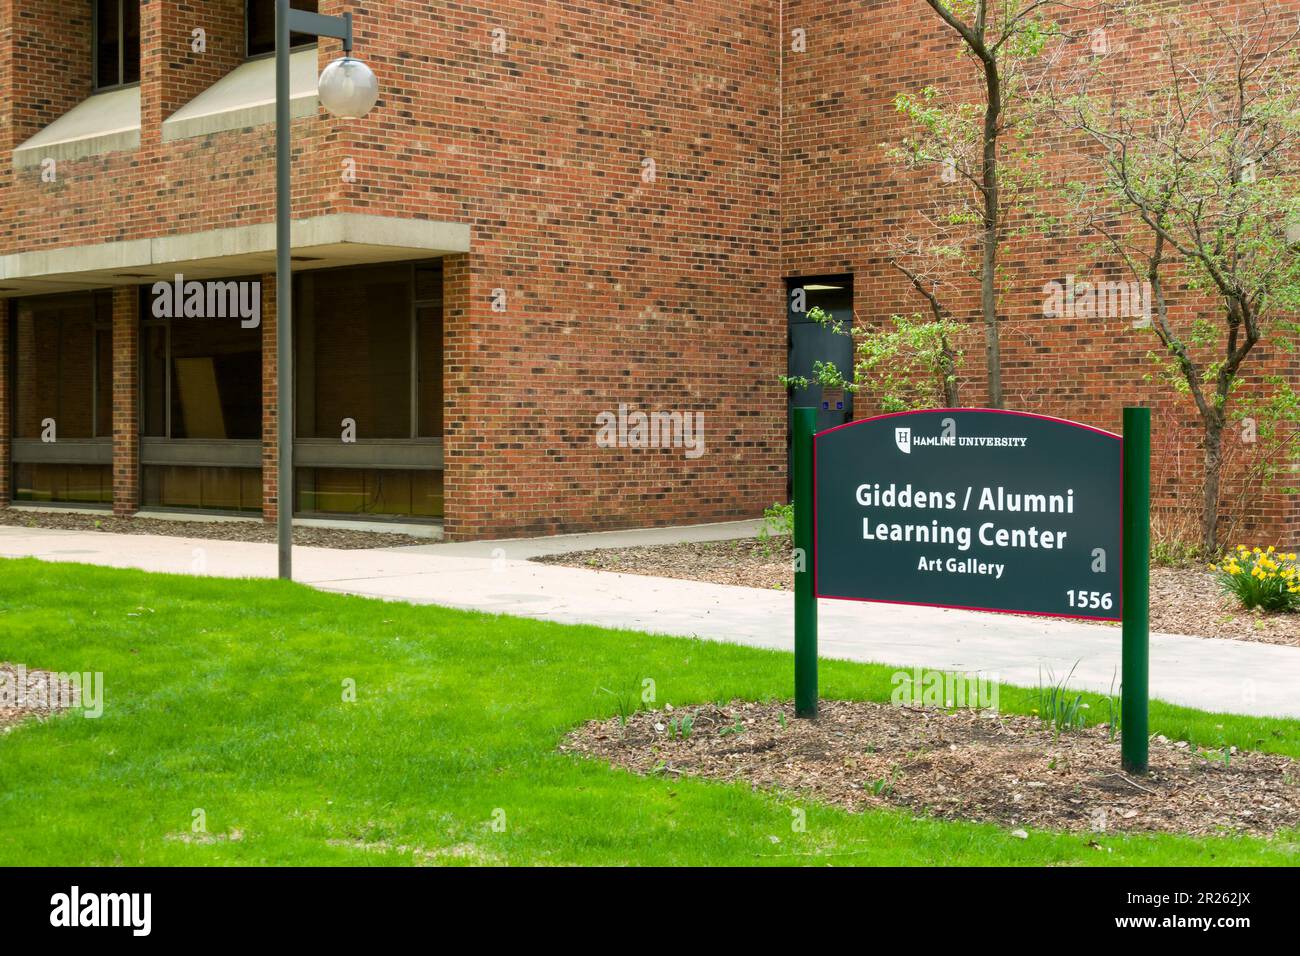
(461, 513)
(6, 414)
(172, 72)
(126, 400)
(270, 404)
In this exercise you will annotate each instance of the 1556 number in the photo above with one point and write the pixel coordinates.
(1091, 600)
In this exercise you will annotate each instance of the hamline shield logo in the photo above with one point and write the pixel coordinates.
(903, 438)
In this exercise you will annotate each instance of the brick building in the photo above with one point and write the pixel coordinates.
(557, 214)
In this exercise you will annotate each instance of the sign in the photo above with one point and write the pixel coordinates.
(970, 508)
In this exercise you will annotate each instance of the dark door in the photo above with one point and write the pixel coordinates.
(810, 342)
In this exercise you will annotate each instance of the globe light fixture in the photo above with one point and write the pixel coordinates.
(348, 88)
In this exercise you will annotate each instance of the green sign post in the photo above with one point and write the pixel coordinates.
(981, 509)
(1136, 573)
(805, 573)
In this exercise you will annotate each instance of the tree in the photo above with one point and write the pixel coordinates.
(1194, 187)
(912, 366)
(928, 260)
(968, 141)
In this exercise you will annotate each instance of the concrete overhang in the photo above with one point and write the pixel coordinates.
(245, 97)
(104, 123)
(322, 242)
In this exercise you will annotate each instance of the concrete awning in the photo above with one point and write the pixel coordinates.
(322, 242)
(104, 123)
(245, 97)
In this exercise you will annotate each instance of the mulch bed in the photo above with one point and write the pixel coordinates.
(961, 765)
(1183, 600)
(259, 531)
(42, 697)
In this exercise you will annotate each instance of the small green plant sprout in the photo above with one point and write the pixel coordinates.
(1263, 579)
(680, 727)
(1056, 707)
(884, 786)
(626, 702)
(780, 718)
(735, 728)
(1114, 711)
(778, 522)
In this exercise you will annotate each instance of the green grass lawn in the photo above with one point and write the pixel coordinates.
(227, 696)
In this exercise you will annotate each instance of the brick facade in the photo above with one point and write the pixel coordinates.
(590, 283)
(126, 404)
(845, 203)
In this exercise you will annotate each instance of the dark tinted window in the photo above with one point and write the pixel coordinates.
(354, 352)
(261, 25)
(117, 43)
(64, 372)
(201, 377)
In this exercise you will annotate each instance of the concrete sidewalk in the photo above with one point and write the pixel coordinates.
(1215, 675)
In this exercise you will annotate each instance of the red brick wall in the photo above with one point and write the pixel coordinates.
(662, 295)
(843, 200)
(172, 73)
(218, 181)
(51, 65)
(126, 408)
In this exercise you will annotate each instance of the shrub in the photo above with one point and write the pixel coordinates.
(1264, 579)
(778, 521)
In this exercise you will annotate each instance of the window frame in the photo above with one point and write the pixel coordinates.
(302, 43)
(122, 83)
(147, 321)
(94, 451)
(413, 333)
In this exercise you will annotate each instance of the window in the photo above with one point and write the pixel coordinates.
(260, 18)
(62, 369)
(212, 488)
(116, 43)
(369, 352)
(202, 378)
(376, 492)
(200, 382)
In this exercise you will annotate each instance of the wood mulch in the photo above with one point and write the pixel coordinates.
(254, 531)
(41, 695)
(1183, 600)
(960, 765)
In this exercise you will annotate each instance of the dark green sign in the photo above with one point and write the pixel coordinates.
(970, 508)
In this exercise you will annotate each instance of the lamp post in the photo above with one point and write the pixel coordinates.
(348, 88)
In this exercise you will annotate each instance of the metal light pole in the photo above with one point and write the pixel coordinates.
(348, 88)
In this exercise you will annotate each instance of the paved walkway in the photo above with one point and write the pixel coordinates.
(1216, 675)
